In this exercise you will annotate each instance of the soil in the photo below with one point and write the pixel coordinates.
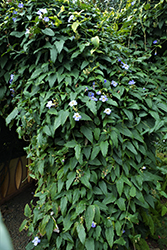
(13, 215)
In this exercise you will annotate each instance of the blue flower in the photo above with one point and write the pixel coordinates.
(90, 94)
(93, 224)
(107, 111)
(14, 19)
(103, 98)
(52, 24)
(20, 5)
(132, 3)
(27, 31)
(14, 12)
(105, 80)
(155, 42)
(123, 231)
(93, 85)
(125, 66)
(98, 92)
(46, 19)
(77, 116)
(94, 98)
(36, 241)
(131, 82)
(70, 18)
(73, 103)
(86, 89)
(113, 83)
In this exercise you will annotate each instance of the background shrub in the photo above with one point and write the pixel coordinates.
(89, 94)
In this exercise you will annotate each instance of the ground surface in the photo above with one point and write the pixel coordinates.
(13, 216)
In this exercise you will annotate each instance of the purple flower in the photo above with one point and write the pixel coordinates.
(131, 82)
(93, 85)
(52, 24)
(36, 241)
(103, 98)
(77, 116)
(98, 92)
(123, 231)
(105, 80)
(132, 3)
(14, 19)
(93, 224)
(20, 5)
(46, 19)
(14, 12)
(155, 42)
(94, 98)
(113, 83)
(90, 94)
(125, 66)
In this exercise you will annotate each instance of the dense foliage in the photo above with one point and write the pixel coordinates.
(87, 89)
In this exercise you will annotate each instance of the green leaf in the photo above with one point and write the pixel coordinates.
(85, 179)
(75, 25)
(104, 147)
(121, 204)
(95, 151)
(53, 54)
(17, 34)
(129, 114)
(81, 233)
(69, 246)
(120, 186)
(12, 115)
(97, 133)
(84, 64)
(49, 228)
(92, 106)
(162, 106)
(109, 232)
(130, 146)
(23, 224)
(48, 32)
(58, 241)
(59, 45)
(70, 178)
(2, 91)
(60, 185)
(27, 211)
(63, 206)
(85, 117)
(87, 133)
(112, 103)
(95, 40)
(133, 191)
(46, 130)
(89, 244)
(77, 151)
(51, 79)
(120, 241)
(89, 216)
(71, 144)
(109, 199)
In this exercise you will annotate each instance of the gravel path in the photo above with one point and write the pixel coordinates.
(13, 215)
